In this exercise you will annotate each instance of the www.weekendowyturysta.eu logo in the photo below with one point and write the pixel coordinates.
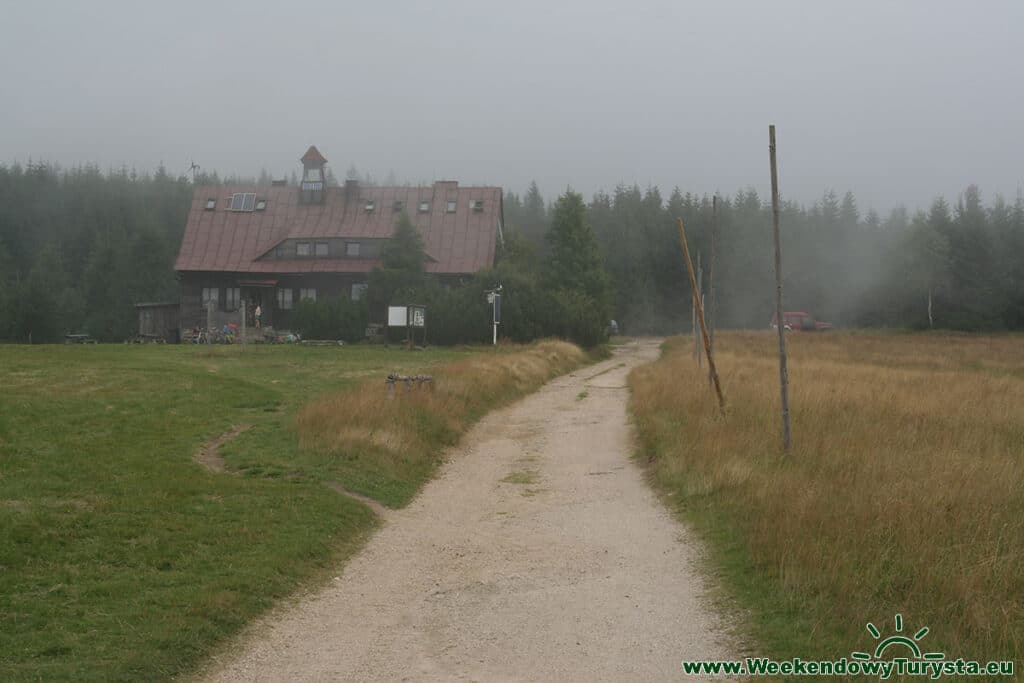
(896, 655)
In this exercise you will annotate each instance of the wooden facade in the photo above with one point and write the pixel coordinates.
(159, 322)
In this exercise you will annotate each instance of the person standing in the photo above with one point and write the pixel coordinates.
(259, 314)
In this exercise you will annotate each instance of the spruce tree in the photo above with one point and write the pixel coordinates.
(574, 273)
(401, 272)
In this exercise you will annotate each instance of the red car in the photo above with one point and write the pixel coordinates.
(797, 320)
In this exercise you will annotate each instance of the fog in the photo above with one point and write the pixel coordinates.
(898, 102)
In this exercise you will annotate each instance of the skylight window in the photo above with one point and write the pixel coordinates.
(476, 205)
(211, 204)
(243, 201)
(452, 205)
(370, 206)
(398, 205)
(424, 207)
(261, 204)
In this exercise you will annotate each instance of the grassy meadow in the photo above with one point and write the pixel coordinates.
(903, 494)
(123, 559)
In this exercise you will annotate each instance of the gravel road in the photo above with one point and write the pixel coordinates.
(537, 554)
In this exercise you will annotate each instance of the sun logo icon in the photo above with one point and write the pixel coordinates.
(898, 639)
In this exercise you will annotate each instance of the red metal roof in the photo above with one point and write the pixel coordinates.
(462, 242)
(313, 154)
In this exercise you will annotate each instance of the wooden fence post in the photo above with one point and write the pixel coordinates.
(780, 318)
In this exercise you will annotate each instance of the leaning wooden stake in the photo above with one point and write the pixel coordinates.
(700, 316)
(780, 319)
(700, 296)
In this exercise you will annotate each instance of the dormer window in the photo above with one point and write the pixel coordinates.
(351, 248)
(302, 249)
(321, 249)
(370, 206)
(424, 207)
(451, 206)
(211, 204)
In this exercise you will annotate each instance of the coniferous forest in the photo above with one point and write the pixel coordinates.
(79, 247)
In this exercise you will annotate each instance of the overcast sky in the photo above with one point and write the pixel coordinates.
(896, 100)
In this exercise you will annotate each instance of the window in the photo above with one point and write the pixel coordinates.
(321, 249)
(243, 201)
(211, 204)
(313, 175)
(211, 296)
(307, 294)
(398, 205)
(302, 249)
(451, 206)
(370, 206)
(351, 248)
(231, 299)
(280, 251)
(359, 290)
(424, 207)
(261, 204)
(476, 205)
(284, 299)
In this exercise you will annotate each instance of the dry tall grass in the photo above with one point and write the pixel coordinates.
(406, 433)
(903, 492)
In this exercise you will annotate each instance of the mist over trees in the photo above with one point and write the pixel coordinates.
(849, 268)
(79, 247)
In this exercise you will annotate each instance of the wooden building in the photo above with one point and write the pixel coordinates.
(274, 246)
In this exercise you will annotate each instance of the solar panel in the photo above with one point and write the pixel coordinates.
(243, 201)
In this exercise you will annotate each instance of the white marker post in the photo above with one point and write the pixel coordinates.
(494, 299)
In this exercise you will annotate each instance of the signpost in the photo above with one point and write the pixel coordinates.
(410, 317)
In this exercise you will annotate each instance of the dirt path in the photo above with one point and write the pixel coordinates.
(209, 455)
(538, 554)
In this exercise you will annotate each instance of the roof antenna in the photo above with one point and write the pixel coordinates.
(194, 167)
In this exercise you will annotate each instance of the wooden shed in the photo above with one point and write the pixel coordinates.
(159, 322)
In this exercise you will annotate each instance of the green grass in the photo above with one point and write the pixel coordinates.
(121, 559)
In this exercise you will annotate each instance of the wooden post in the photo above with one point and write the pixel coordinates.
(780, 318)
(700, 295)
(700, 316)
(693, 323)
(711, 279)
(209, 319)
